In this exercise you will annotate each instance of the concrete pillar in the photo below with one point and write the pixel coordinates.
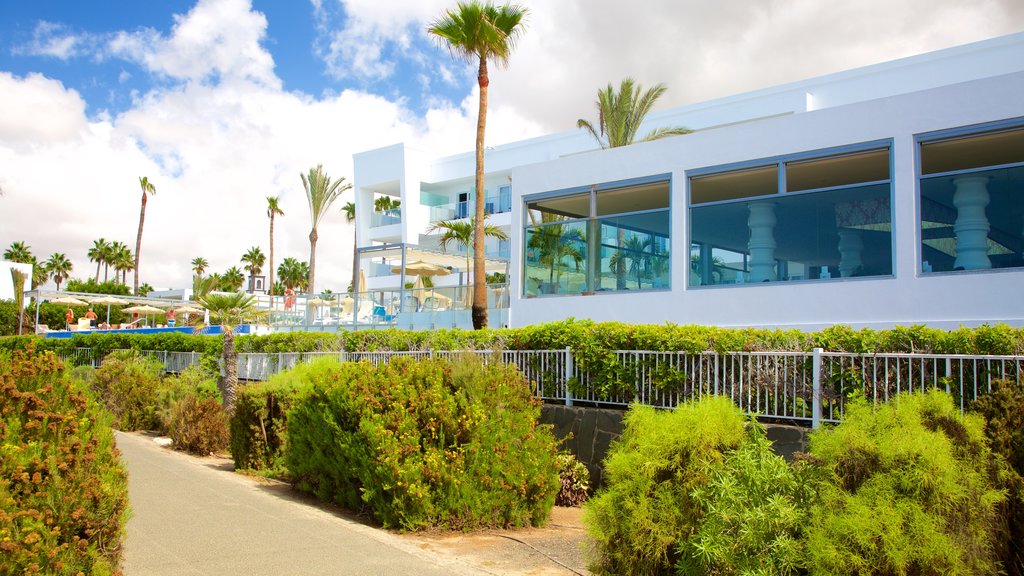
(762, 241)
(971, 227)
(850, 247)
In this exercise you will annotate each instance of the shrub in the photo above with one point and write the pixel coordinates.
(63, 491)
(195, 380)
(753, 513)
(128, 385)
(259, 424)
(1003, 409)
(647, 507)
(575, 480)
(199, 424)
(913, 490)
(442, 443)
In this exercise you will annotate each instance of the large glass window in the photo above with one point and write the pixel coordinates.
(811, 217)
(613, 236)
(972, 200)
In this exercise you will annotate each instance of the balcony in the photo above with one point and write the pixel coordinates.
(386, 218)
(493, 204)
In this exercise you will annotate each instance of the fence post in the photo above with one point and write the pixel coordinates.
(280, 360)
(568, 375)
(816, 388)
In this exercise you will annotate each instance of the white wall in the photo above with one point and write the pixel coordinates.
(940, 300)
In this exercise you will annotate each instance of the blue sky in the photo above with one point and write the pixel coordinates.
(222, 103)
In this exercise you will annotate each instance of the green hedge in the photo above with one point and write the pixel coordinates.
(435, 443)
(63, 490)
(259, 424)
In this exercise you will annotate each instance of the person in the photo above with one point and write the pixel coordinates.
(69, 316)
(104, 326)
(170, 317)
(91, 316)
(289, 299)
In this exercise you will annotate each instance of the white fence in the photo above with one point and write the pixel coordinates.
(799, 386)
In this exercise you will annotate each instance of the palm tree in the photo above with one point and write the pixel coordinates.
(635, 252)
(350, 216)
(254, 259)
(39, 273)
(145, 289)
(554, 242)
(292, 273)
(273, 209)
(199, 265)
(385, 203)
(621, 113)
(122, 260)
(461, 232)
(202, 286)
(147, 188)
(478, 32)
(232, 279)
(321, 193)
(231, 310)
(59, 268)
(18, 252)
(98, 253)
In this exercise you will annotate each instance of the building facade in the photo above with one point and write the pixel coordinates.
(891, 194)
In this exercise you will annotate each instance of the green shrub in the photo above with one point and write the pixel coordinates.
(199, 424)
(259, 423)
(440, 443)
(195, 380)
(913, 490)
(574, 479)
(128, 385)
(63, 491)
(647, 506)
(753, 514)
(1003, 409)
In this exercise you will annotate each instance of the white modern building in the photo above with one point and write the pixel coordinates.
(890, 194)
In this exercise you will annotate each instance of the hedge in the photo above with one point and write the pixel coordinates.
(63, 490)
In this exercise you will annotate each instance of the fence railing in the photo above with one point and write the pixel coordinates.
(798, 386)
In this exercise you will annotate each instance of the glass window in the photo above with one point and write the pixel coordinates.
(623, 246)
(734, 185)
(972, 216)
(838, 226)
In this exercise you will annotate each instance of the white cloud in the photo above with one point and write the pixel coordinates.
(54, 40)
(38, 111)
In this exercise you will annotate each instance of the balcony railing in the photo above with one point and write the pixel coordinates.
(493, 204)
(386, 218)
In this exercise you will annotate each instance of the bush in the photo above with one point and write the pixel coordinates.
(259, 424)
(128, 386)
(63, 491)
(753, 514)
(199, 424)
(647, 507)
(1003, 409)
(575, 481)
(913, 489)
(195, 380)
(441, 443)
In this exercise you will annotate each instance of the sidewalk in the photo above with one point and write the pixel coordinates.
(193, 516)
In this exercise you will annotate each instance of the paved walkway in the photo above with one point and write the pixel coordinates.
(191, 516)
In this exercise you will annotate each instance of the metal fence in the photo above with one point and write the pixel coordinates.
(798, 386)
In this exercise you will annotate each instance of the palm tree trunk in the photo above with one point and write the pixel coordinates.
(355, 258)
(270, 290)
(230, 381)
(620, 265)
(479, 274)
(312, 259)
(138, 244)
(98, 264)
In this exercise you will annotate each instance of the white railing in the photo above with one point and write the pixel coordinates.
(798, 386)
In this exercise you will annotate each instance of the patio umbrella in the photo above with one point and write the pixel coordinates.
(422, 268)
(144, 309)
(70, 301)
(315, 302)
(188, 310)
(108, 300)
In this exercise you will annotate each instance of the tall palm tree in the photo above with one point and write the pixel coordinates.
(621, 113)
(254, 260)
(98, 253)
(321, 193)
(461, 233)
(273, 209)
(478, 32)
(231, 310)
(59, 267)
(18, 252)
(232, 279)
(292, 273)
(147, 188)
(199, 265)
(39, 273)
(350, 216)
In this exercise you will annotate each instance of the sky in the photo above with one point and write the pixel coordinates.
(221, 103)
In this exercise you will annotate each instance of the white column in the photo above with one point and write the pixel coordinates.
(850, 247)
(762, 241)
(971, 227)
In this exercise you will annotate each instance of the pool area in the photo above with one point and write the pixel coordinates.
(206, 330)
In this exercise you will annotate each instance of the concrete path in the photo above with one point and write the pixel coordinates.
(193, 516)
